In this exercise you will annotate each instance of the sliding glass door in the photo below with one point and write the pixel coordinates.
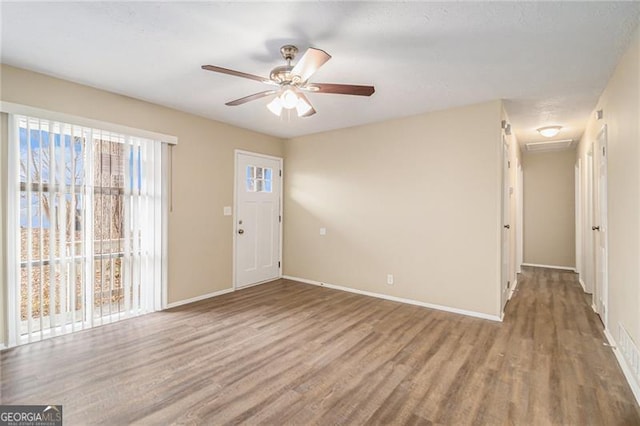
(87, 230)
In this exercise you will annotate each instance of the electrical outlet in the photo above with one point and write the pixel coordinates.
(323, 231)
(390, 279)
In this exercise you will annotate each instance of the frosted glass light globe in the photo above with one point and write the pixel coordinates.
(289, 99)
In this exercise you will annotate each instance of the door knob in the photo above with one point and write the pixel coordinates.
(240, 231)
(595, 228)
(507, 226)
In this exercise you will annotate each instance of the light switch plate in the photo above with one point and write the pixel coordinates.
(226, 210)
(323, 231)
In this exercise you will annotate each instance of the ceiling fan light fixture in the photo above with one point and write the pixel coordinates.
(549, 131)
(275, 106)
(302, 107)
(289, 99)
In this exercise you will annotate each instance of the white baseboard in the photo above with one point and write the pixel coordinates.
(513, 290)
(396, 299)
(632, 379)
(199, 298)
(567, 268)
(584, 287)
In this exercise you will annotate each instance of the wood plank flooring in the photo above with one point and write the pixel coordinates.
(291, 353)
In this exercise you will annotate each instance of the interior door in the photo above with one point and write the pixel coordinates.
(578, 215)
(599, 226)
(258, 218)
(520, 216)
(506, 227)
(589, 240)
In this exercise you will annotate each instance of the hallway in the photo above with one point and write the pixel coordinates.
(555, 351)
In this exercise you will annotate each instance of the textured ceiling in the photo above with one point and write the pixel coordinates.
(548, 60)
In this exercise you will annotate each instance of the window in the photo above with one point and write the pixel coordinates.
(259, 179)
(87, 228)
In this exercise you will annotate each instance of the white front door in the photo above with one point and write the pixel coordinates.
(258, 218)
(599, 226)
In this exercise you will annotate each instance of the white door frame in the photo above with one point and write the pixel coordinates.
(235, 211)
(578, 219)
(519, 218)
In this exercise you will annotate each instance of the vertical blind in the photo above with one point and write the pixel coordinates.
(87, 229)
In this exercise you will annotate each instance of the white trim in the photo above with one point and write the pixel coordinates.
(567, 268)
(2, 347)
(199, 298)
(584, 288)
(626, 370)
(520, 217)
(513, 290)
(257, 154)
(234, 218)
(578, 214)
(281, 213)
(164, 194)
(396, 299)
(13, 108)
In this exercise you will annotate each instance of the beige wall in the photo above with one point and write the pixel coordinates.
(418, 198)
(200, 237)
(549, 213)
(620, 103)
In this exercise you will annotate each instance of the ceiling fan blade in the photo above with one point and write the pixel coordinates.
(309, 63)
(311, 110)
(251, 98)
(237, 73)
(341, 89)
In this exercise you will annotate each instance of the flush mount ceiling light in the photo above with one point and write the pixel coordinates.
(549, 131)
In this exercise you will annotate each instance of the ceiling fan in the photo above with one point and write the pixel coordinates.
(291, 82)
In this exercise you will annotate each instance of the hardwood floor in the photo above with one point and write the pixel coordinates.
(291, 353)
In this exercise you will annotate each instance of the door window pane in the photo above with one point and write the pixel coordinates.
(259, 179)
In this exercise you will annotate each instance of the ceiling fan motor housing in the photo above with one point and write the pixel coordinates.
(281, 74)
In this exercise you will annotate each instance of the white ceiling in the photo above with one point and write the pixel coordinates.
(548, 60)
